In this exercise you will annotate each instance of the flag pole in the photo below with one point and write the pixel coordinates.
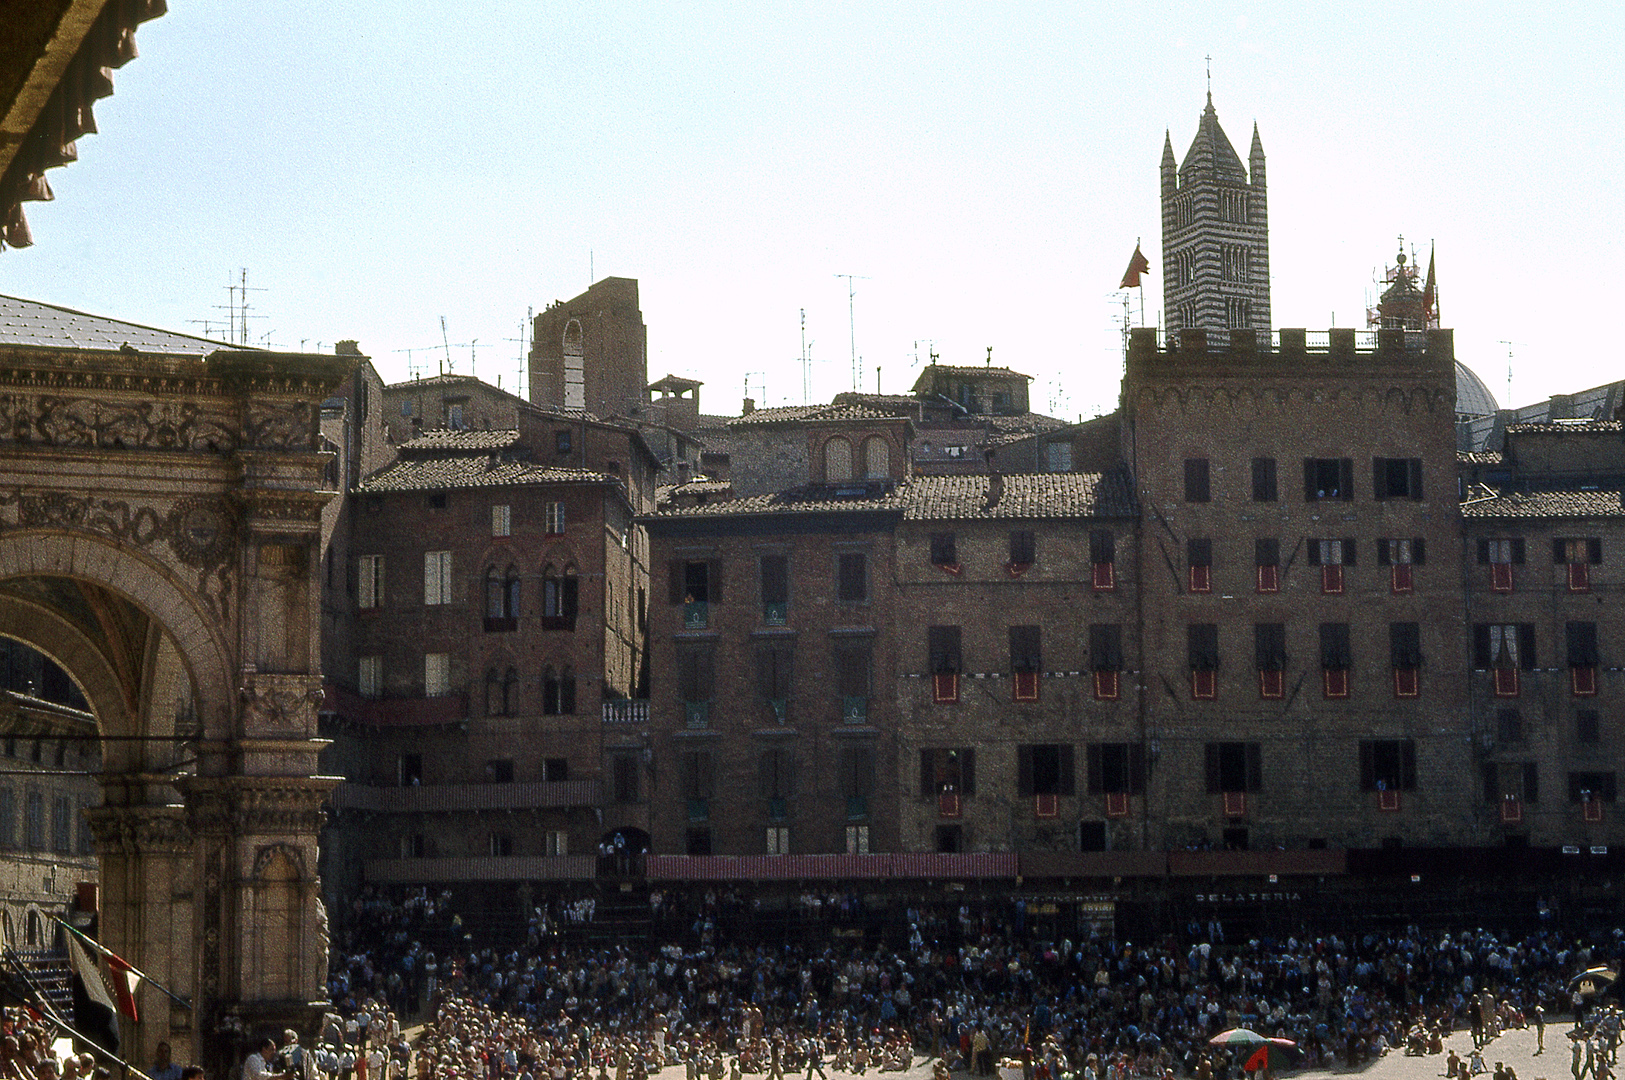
(43, 1003)
(137, 972)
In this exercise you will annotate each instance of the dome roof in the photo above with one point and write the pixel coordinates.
(1473, 398)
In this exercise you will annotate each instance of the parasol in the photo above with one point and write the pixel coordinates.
(1237, 1037)
(1593, 981)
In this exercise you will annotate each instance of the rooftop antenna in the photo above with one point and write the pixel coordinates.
(523, 340)
(989, 356)
(236, 307)
(852, 327)
(761, 384)
(1509, 345)
(473, 358)
(806, 363)
(414, 370)
(1209, 59)
(877, 380)
(446, 342)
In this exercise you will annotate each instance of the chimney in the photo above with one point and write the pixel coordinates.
(995, 482)
(347, 347)
(748, 408)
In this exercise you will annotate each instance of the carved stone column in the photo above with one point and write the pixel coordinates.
(147, 908)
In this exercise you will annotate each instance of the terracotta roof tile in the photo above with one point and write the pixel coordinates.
(473, 470)
(1567, 427)
(1025, 495)
(1546, 504)
(460, 439)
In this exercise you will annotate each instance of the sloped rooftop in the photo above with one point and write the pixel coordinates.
(30, 323)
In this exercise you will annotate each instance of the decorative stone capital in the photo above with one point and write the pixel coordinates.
(140, 830)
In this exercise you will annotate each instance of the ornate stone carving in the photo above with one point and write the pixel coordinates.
(136, 830)
(281, 704)
(289, 426)
(202, 531)
(91, 422)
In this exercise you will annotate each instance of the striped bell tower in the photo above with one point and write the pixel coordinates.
(1215, 233)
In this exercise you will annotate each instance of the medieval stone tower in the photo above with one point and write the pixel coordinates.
(1215, 233)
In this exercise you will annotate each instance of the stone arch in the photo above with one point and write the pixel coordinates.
(146, 583)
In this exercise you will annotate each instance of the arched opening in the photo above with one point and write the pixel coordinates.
(837, 460)
(575, 357)
(876, 458)
(277, 923)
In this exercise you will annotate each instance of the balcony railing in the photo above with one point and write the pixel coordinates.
(441, 709)
(482, 868)
(626, 711)
(431, 798)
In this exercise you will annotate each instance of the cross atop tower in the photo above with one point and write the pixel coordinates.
(1209, 59)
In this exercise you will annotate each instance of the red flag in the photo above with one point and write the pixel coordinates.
(1430, 295)
(1259, 1060)
(1138, 265)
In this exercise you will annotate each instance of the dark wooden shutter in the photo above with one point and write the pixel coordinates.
(1213, 769)
(1024, 770)
(1348, 551)
(1559, 550)
(1582, 643)
(1136, 768)
(1345, 478)
(1267, 551)
(1383, 557)
(775, 579)
(1526, 646)
(1482, 660)
(967, 770)
(1531, 782)
(1407, 764)
(1483, 552)
(1594, 550)
(1492, 783)
(1068, 781)
(1255, 765)
(1517, 550)
(571, 599)
(1379, 478)
(1416, 478)
(1096, 773)
(1419, 548)
(1368, 765)
(1308, 479)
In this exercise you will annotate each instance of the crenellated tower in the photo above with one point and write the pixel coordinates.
(1215, 232)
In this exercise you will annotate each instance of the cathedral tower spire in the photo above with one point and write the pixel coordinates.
(1215, 232)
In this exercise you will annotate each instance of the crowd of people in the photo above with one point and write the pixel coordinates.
(972, 986)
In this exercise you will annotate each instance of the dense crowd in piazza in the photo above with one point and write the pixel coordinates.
(969, 987)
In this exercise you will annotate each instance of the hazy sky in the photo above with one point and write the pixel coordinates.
(986, 168)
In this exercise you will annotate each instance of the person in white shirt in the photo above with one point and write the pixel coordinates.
(259, 1064)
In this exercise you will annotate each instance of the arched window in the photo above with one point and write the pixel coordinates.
(876, 458)
(837, 460)
(550, 692)
(510, 692)
(561, 597)
(567, 691)
(501, 600)
(575, 389)
(494, 705)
